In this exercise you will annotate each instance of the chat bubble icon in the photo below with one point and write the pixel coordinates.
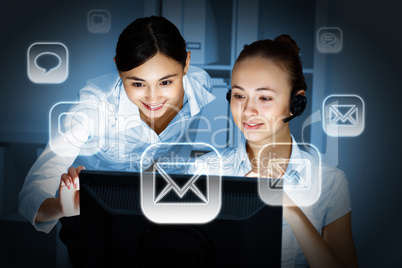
(47, 63)
(76, 128)
(98, 21)
(329, 40)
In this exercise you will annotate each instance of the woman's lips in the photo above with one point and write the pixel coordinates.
(252, 125)
(154, 107)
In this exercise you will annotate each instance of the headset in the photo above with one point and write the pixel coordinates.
(298, 104)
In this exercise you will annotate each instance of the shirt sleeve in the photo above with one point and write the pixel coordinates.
(202, 77)
(208, 84)
(339, 202)
(41, 183)
(198, 87)
(43, 179)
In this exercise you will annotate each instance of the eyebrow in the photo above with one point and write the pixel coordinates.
(140, 79)
(257, 89)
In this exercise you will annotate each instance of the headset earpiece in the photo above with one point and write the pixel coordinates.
(298, 104)
(229, 95)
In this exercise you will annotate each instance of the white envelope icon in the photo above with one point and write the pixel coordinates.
(180, 191)
(345, 115)
(155, 207)
(298, 175)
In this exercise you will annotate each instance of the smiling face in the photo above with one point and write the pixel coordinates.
(156, 87)
(260, 100)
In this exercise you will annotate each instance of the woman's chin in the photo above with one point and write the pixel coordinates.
(154, 114)
(255, 138)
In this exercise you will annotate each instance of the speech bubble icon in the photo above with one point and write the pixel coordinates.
(329, 39)
(98, 20)
(47, 62)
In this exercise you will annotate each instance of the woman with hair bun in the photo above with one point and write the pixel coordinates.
(154, 97)
(267, 91)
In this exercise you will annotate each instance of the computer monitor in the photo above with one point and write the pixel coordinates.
(116, 233)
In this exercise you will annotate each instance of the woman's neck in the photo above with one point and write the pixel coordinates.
(160, 124)
(260, 155)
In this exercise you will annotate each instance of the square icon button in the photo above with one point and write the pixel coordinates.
(169, 195)
(98, 21)
(329, 40)
(75, 128)
(343, 115)
(299, 176)
(47, 63)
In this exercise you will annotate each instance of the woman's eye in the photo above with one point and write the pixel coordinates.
(237, 96)
(138, 84)
(265, 98)
(165, 83)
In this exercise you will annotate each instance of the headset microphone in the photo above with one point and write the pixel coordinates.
(287, 119)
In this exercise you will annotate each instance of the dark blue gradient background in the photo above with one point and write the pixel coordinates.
(369, 65)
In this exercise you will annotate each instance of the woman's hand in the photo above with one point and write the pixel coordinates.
(68, 202)
(69, 192)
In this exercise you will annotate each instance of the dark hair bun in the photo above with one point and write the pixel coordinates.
(285, 38)
(282, 50)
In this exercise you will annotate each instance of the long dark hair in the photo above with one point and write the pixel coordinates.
(144, 37)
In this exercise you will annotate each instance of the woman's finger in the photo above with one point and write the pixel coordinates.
(79, 169)
(77, 186)
(72, 172)
(65, 180)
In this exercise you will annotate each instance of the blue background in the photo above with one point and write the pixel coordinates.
(369, 65)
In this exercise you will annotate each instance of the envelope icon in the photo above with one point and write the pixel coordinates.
(172, 185)
(345, 115)
(297, 176)
(178, 198)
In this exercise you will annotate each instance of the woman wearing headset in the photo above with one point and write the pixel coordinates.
(153, 98)
(268, 89)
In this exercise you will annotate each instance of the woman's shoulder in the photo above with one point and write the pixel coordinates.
(102, 86)
(333, 197)
(331, 178)
(195, 71)
(198, 87)
(104, 81)
(200, 77)
(328, 171)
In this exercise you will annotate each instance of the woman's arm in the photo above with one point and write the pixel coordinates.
(338, 235)
(49, 210)
(335, 248)
(37, 198)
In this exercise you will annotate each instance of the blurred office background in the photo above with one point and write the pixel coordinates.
(347, 48)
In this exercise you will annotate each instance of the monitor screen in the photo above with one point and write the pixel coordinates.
(115, 232)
